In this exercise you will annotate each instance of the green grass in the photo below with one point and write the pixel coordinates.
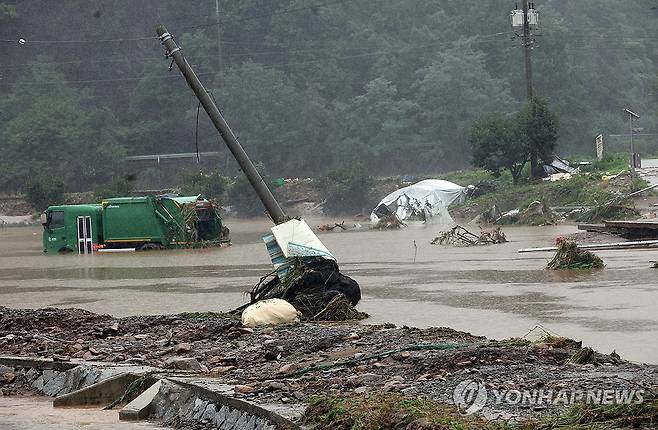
(396, 411)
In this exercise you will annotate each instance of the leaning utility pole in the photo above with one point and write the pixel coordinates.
(527, 49)
(256, 180)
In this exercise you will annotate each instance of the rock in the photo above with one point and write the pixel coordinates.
(93, 350)
(57, 357)
(114, 327)
(276, 385)
(32, 375)
(289, 368)
(243, 389)
(368, 379)
(393, 385)
(189, 363)
(405, 354)
(77, 347)
(359, 355)
(220, 370)
(182, 348)
(87, 356)
(361, 390)
(8, 377)
(54, 382)
(353, 336)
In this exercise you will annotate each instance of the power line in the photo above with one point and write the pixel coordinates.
(280, 12)
(473, 39)
(24, 41)
(103, 80)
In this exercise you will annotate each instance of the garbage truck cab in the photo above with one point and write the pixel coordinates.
(71, 228)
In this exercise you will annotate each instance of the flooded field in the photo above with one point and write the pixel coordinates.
(491, 291)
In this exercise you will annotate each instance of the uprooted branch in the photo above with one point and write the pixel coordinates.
(460, 236)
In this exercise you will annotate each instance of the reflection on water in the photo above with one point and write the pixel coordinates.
(488, 290)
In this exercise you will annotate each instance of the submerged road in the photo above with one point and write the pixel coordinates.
(491, 291)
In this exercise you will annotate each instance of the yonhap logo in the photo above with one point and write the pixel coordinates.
(470, 395)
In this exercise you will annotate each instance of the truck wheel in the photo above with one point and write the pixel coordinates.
(149, 247)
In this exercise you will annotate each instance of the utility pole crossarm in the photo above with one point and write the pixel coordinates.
(256, 180)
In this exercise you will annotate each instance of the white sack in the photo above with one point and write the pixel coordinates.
(269, 312)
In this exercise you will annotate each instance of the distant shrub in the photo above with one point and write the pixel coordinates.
(211, 184)
(44, 190)
(242, 197)
(119, 187)
(345, 188)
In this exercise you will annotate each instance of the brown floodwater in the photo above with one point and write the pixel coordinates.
(489, 290)
(37, 413)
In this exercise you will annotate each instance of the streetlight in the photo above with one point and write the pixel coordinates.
(634, 158)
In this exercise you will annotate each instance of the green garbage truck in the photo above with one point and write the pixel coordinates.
(133, 223)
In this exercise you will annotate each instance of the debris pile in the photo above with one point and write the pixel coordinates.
(293, 363)
(536, 214)
(318, 290)
(388, 222)
(568, 256)
(329, 227)
(460, 236)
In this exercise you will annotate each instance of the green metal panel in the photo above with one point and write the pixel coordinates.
(61, 234)
(133, 220)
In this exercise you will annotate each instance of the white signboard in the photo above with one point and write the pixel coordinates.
(599, 147)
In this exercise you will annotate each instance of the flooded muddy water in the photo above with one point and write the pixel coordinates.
(37, 413)
(490, 290)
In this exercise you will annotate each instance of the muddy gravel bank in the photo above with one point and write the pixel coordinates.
(293, 364)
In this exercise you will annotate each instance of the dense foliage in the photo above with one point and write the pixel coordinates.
(344, 189)
(510, 142)
(307, 84)
(42, 191)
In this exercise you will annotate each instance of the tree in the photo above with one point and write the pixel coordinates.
(43, 190)
(55, 128)
(345, 188)
(540, 126)
(498, 143)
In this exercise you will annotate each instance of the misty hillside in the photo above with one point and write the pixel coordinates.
(308, 84)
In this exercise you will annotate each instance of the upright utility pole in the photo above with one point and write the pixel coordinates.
(256, 180)
(219, 38)
(527, 48)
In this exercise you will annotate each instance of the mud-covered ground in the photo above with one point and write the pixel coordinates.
(277, 364)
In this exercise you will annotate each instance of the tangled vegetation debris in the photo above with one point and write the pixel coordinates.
(460, 236)
(391, 222)
(329, 227)
(537, 213)
(318, 290)
(568, 256)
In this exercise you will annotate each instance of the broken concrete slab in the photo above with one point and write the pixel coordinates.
(99, 394)
(140, 407)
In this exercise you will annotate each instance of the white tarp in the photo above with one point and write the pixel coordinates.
(428, 200)
(296, 239)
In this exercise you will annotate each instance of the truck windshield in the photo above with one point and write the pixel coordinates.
(55, 219)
